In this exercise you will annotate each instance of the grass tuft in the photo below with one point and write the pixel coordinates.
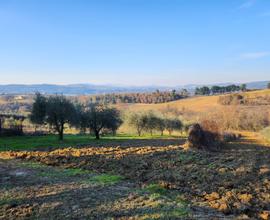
(105, 179)
(156, 189)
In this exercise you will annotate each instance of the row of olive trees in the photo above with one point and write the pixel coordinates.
(149, 122)
(58, 112)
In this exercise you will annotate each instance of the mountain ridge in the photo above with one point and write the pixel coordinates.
(90, 89)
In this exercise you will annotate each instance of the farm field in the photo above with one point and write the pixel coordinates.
(135, 110)
(140, 177)
(137, 179)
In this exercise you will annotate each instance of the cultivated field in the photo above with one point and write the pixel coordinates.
(131, 177)
(137, 179)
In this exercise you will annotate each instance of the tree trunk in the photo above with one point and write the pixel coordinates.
(61, 136)
(162, 133)
(97, 134)
(61, 133)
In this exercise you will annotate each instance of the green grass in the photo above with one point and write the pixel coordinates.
(38, 142)
(58, 173)
(44, 170)
(33, 165)
(187, 157)
(171, 205)
(63, 173)
(156, 189)
(105, 179)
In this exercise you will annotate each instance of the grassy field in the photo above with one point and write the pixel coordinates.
(197, 104)
(51, 141)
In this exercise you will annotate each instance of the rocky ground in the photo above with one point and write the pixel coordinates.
(138, 181)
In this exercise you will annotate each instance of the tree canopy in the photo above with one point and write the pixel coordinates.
(96, 117)
(57, 111)
(205, 90)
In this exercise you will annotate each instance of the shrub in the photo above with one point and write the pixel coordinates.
(207, 138)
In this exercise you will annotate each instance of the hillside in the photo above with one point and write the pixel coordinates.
(87, 89)
(195, 104)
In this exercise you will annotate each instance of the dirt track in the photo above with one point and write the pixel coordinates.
(234, 183)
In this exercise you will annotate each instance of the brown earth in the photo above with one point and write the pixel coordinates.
(231, 184)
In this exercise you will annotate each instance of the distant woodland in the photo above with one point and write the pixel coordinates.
(146, 98)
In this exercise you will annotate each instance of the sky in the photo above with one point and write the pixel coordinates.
(134, 42)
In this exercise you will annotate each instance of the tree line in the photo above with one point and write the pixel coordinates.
(150, 122)
(205, 90)
(147, 98)
(58, 112)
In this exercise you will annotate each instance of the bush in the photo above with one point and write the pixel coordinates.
(207, 136)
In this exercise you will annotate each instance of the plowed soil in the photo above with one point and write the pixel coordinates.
(233, 183)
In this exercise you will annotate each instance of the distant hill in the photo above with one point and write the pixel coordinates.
(87, 89)
(74, 89)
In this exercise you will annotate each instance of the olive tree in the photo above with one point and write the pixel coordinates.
(38, 112)
(173, 124)
(160, 125)
(152, 121)
(96, 117)
(138, 121)
(57, 111)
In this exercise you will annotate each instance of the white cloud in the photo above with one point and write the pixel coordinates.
(247, 4)
(255, 55)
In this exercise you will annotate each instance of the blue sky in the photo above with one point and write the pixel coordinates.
(134, 42)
